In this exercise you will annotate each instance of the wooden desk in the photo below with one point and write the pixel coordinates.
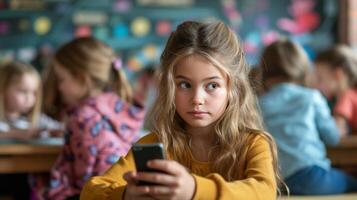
(325, 197)
(344, 155)
(27, 158)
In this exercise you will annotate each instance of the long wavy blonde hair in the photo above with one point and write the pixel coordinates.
(219, 45)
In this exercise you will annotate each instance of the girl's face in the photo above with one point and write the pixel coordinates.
(20, 96)
(201, 92)
(326, 80)
(71, 89)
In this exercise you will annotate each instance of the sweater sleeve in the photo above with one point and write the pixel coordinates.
(259, 182)
(325, 123)
(111, 184)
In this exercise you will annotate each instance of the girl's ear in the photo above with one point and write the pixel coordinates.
(82, 78)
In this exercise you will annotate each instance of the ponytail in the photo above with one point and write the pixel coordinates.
(120, 84)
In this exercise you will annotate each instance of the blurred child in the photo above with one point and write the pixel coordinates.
(102, 119)
(301, 123)
(206, 118)
(20, 116)
(336, 78)
(20, 103)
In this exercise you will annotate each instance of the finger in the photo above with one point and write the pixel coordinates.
(137, 191)
(130, 177)
(160, 191)
(157, 177)
(168, 166)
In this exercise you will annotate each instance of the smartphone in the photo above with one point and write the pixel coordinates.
(145, 152)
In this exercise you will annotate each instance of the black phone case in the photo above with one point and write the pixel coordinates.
(145, 152)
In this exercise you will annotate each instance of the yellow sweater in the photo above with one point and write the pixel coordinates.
(256, 179)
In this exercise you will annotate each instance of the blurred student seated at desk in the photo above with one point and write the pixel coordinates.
(102, 118)
(20, 104)
(336, 78)
(300, 122)
(20, 116)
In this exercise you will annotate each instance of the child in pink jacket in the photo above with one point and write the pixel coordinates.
(102, 119)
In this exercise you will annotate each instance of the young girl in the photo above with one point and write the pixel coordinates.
(102, 118)
(336, 78)
(206, 118)
(301, 123)
(20, 103)
(20, 116)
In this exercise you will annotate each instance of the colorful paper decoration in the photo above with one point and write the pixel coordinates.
(270, 37)
(304, 17)
(4, 27)
(27, 5)
(147, 55)
(140, 26)
(134, 64)
(120, 30)
(82, 31)
(232, 13)
(122, 6)
(163, 28)
(42, 25)
(90, 18)
(151, 52)
(252, 42)
(101, 32)
(26, 54)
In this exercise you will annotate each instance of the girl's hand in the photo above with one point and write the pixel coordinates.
(133, 192)
(175, 183)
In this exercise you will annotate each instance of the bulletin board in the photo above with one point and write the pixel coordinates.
(138, 29)
(311, 23)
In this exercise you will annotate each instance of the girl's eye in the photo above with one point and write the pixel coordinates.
(184, 85)
(212, 86)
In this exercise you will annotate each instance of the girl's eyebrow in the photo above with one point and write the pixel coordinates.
(208, 78)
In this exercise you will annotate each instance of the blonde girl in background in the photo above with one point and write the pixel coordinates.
(300, 121)
(336, 77)
(20, 103)
(102, 119)
(21, 117)
(206, 117)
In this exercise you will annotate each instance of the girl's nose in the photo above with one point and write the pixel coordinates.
(198, 98)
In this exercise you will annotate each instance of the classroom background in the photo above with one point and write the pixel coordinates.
(32, 30)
